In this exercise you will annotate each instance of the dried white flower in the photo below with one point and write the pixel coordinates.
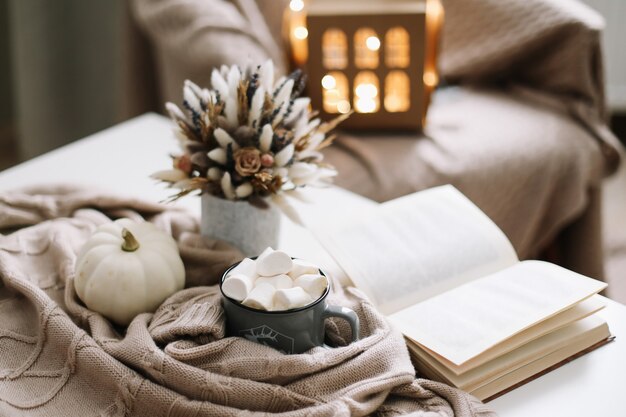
(169, 175)
(301, 169)
(224, 70)
(299, 110)
(219, 83)
(306, 129)
(256, 106)
(218, 155)
(284, 156)
(183, 184)
(265, 141)
(314, 155)
(247, 137)
(266, 75)
(325, 177)
(224, 139)
(302, 173)
(284, 93)
(174, 112)
(234, 76)
(194, 88)
(227, 187)
(230, 111)
(244, 190)
(281, 172)
(191, 99)
(278, 84)
(214, 174)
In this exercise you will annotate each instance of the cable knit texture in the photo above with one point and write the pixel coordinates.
(57, 358)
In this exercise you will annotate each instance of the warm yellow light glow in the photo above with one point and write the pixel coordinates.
(366, 45)
(329, 82)
(365, 105)
(300, 32)
(397, 48)
(296, 5)
(372, 43)
(392, 103)
(335, 92)
(343, 106)
(397, 92)
(434, 10)
(332, 96)
(366, 90)
(299, 47)
(334, 49)
(430, 78)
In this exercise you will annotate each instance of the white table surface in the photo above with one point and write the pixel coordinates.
(122, 158)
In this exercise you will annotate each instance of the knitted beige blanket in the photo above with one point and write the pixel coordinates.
(57, 358)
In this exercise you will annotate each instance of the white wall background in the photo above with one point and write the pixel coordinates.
(614, 12)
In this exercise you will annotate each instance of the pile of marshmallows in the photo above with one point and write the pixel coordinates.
(274, 282)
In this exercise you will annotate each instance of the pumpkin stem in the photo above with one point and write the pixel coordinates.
(130, 243)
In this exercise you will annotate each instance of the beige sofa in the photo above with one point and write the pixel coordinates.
(520, 128)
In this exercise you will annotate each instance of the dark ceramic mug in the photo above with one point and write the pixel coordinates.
(290, 331)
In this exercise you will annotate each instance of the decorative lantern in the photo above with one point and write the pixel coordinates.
(375, 57)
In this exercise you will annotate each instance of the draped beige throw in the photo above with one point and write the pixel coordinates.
(57, 358)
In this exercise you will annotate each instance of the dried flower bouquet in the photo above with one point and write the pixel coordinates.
(248, 137)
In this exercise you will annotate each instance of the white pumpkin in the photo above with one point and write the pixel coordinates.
(126, 268)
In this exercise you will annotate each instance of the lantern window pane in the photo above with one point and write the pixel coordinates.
(335, 91)
(334, 49)
(366, 46)
(397, 91)
(397, 48)
(366, 92)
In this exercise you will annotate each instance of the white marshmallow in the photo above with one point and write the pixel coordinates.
(261, 297)
(237, 286)
(314, 284)
(246, 267)
(291, 298)
(301, 267)
(278, 281)
(276, 262)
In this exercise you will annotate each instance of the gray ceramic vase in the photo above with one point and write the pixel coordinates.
(244, 226)
(290, 331)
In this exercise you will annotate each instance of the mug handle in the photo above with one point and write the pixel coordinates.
(346, 314)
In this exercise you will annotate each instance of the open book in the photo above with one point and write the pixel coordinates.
(447, 277)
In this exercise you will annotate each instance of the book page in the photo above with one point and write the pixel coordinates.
(577, 312)
(314, 205)
(466, 321)
(414, 247)
(589, 331)
(593, 339)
